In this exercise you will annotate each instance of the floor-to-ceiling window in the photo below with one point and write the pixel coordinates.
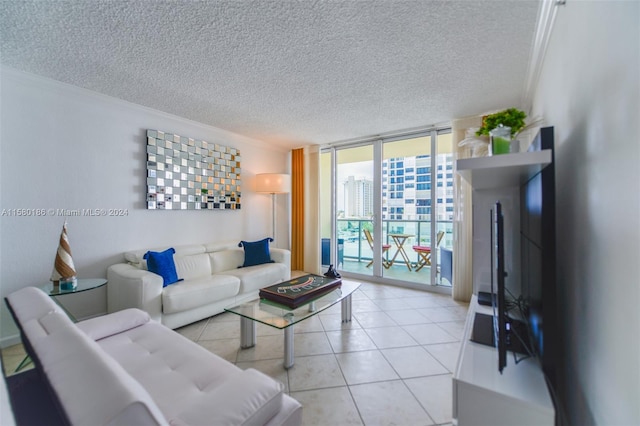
(387, 206)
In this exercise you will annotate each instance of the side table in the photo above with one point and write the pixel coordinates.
(84, 284)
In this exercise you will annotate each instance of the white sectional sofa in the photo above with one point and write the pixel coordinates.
(126, 369)
(212, 280)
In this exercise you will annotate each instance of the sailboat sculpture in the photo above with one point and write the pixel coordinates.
(64, 272)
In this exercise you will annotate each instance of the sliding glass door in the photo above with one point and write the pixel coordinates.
(387, 207)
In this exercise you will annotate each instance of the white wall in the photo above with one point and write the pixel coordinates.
(63, 147)
(589, 90)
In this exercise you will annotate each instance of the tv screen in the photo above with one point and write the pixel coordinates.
(495, 330)
(499, 274)
(538, 257)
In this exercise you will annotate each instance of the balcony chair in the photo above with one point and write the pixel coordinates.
(385, 248)
(446, 265)
(424, 253)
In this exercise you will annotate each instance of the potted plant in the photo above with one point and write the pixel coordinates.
(502, 127)
(511, 117)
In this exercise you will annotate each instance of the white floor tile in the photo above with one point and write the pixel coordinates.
(413, 361)
(328, 407)
(365, 367)
(427, 334)
(315, 372)
(311, 344)
(423, 302)
(407, 316)
(389, 403)
(374, 319)
(454, 328)
(334, 322)
(350, 341)
(221, 330)
(267, 347)
(364, 305)
(435, 394)
(392, 304)
(442, 314)
(445, 353)
(309, 325)
(193, 331)
(390, 337)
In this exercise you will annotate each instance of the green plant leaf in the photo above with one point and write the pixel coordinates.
(511, 117)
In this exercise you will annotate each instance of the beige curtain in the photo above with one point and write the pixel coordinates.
(462, 217)
(312, 244)
(305, 210)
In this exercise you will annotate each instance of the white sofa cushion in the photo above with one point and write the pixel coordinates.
(226, 260)
(253, 278)
(196, 292)
(247, 398)
(194, 266)
(104, 326)
(210, 388)
(136, 257)
(220, 246)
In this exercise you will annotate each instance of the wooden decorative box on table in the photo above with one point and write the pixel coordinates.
(298, 291)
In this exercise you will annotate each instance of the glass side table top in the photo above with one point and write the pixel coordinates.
(84, 284)
(279, 316)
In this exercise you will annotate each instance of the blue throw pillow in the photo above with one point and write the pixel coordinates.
(256, 252)
(161, 263)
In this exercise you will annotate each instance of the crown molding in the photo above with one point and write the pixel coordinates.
(544, 28)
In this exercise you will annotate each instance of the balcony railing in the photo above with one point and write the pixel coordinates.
(356, 251)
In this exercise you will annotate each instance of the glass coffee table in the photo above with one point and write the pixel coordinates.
(281, 317)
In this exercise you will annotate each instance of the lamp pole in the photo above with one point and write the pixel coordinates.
(273, 216)
(273, 183)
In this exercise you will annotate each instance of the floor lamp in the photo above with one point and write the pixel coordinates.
(273, 183)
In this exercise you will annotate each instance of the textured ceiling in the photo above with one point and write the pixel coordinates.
(288, 73)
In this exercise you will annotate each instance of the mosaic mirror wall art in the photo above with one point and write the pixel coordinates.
(190, 174)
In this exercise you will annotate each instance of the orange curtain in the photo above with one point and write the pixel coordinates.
(297, 209)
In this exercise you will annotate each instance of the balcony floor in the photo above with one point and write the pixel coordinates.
(398, 271)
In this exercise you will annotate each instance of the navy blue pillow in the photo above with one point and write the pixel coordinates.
(161, 263)
(256, 252)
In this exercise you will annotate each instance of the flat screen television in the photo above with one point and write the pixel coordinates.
(538, 259)
(500, 317)
(499, 330)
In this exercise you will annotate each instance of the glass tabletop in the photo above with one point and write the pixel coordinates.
(279, 316)
(84, 284)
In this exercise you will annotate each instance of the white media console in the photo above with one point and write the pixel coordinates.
(481, 394)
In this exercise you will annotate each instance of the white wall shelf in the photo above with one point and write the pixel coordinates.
(502, 170)
(481, 395)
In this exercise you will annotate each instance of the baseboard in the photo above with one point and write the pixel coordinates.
(5, 342)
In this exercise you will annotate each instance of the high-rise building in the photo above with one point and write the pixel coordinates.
(358, 197)
(412, 190)
(407, 185)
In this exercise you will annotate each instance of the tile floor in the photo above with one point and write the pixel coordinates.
(391, 365)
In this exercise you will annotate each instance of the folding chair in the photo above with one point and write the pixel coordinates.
(424, 253)
(385, 248)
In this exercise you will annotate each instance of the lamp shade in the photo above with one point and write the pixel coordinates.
(273, 183)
